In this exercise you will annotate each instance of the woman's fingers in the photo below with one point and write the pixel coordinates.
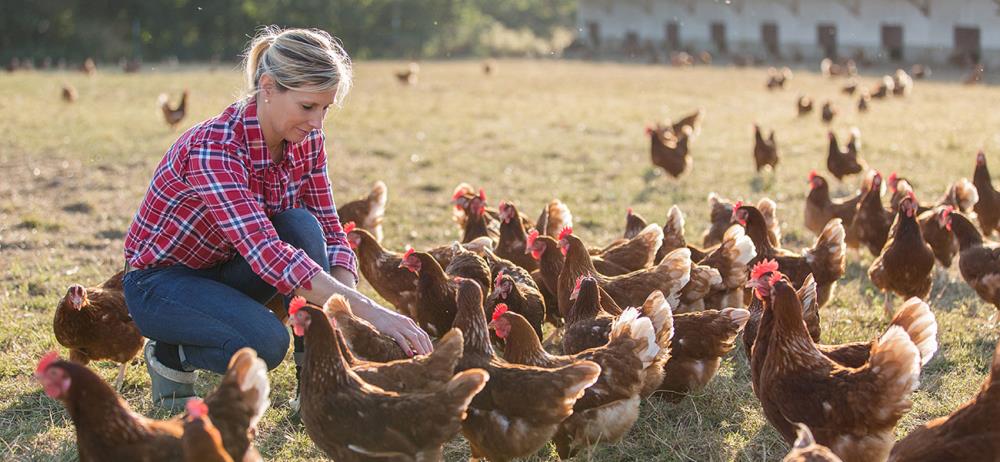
(420, 340)
(402, 342)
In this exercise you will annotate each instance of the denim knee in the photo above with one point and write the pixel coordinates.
(302, 230)
(272, 347)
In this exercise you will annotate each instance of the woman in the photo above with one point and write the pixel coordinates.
(240, 209)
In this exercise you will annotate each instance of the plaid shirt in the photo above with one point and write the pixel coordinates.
(213, 194)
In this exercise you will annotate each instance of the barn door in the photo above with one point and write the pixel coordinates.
(769, 35)
(594, 32)
(719, 36)
(631, 44)
(967, 44)
(827, 39)
(673, 35)
(892, 41)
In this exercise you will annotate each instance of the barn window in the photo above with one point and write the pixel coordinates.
(967, 44)
(631, 45)
(769, 35)
(827, 39)
(594, 33)
(673, 35)
(892, 41)
(719, 36)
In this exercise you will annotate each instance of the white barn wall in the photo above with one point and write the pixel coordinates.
(924, 37)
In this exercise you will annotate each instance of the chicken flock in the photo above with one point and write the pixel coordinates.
(544, 337)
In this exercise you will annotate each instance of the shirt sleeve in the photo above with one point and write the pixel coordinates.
(317, 198)
(219, 178)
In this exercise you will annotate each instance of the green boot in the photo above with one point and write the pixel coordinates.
(171, 388)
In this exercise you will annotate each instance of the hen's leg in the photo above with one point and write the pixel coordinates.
(121, 376)
(888, 305)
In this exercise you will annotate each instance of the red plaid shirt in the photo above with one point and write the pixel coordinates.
(213, 194)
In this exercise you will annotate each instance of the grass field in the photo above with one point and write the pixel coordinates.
(71, 177)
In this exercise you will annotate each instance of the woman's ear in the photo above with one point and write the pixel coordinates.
(266, 85)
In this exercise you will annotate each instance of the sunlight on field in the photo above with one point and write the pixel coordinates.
(72, 175)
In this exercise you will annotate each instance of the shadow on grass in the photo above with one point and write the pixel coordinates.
(35, 411)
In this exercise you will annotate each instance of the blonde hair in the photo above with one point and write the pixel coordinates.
(298, 59)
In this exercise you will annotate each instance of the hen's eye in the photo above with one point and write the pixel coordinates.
(308, 107)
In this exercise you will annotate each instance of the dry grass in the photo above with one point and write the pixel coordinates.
(73, 175)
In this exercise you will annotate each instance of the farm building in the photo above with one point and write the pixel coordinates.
(959, 31)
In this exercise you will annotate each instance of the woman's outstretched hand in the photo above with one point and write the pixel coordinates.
(410, 337)
(407, 334)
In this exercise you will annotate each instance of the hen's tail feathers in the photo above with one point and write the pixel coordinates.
(855, 138)
(448, 350)
(250, 373)
(714, 199)
(559, 217)
(769, 209)
(917, 320)
(464, 386)
(677, 267)
(337, 304)
(738, 248)
(804, 437)
(577, 377)
(379, 194)
(673, 230)
(659, 312)
(827, 256)
(810, 306)
(631, 325)
(738, 318)
(896, 360)
(651, 236)
(965, 195)
(703, 280)
(479, 245)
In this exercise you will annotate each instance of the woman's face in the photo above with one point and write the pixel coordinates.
(289, 114)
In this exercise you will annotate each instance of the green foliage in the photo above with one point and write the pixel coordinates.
(156, 29)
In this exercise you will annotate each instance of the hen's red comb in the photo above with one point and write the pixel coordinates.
(295, 305)
(458, 194)
(46, 361)
(578, 281)
(196, 408)
(482, 194)
(500, 309)
(912, 195)
(774, 278)
(565, 232)
(498, 278)
(892, 180)
(737, 204)
(409, 251)
(532, 237)
(813, 175)
(765, 266)
(629, 212)
(349, 227)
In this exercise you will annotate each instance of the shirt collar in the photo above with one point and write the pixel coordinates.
(260, 157)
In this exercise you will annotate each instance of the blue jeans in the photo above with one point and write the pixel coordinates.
(213, 312)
